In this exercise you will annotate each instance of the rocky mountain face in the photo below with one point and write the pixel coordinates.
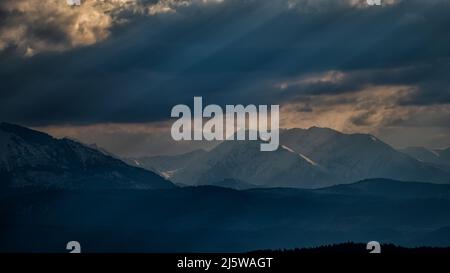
(32, 158)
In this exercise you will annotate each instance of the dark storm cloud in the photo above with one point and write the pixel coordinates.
(430, 82)
(233, 52)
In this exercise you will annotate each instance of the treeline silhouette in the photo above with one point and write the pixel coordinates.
(351, 247)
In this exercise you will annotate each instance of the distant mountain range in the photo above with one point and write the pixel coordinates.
(31, 158)
(56, 190)
(307, 158)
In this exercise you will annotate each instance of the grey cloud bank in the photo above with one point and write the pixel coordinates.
(235, 52)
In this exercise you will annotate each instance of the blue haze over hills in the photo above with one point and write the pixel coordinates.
(54, 191)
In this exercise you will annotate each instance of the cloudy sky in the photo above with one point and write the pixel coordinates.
(110, 71)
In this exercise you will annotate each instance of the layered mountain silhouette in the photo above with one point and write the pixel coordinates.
(207, 218)
(32, 158)
(56, 190)
(307, 158)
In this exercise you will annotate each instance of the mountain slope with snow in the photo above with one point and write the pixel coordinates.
(32, 158)
(433, 156)
(243, 160)
(307, 158)
(354, 157)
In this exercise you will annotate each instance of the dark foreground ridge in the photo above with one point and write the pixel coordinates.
(215, 219)
(356, 248)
